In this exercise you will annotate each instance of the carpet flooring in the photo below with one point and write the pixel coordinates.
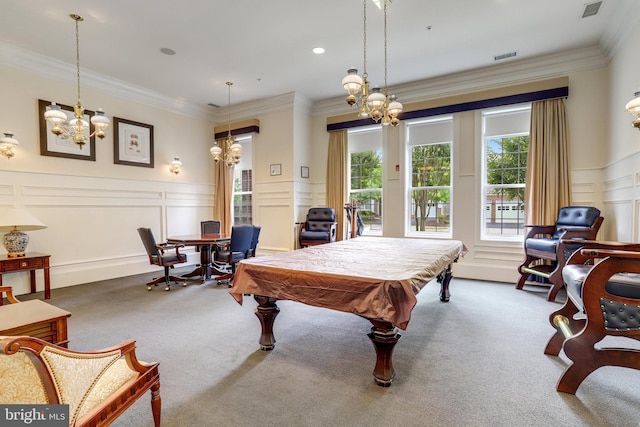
(474, 361)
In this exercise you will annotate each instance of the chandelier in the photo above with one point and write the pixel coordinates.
(633, 107)
(378, 104)
(7, 143)
(77, 128)
(232, 148)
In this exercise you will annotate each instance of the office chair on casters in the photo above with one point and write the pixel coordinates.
(210, 227)
(236, 250)
(164, 256)
(546, 254)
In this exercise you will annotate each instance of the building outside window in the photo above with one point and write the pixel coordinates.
(429, 175)
(365, 157)
(505, 148)
(243, 185)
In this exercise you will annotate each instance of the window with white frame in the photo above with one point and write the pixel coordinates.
(429, 176)
(505, 146)
(243, 184)
(365, 166)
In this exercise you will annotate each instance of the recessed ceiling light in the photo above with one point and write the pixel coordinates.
(167, 51)
(318, 50)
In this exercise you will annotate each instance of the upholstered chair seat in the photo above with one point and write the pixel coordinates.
(97, 386)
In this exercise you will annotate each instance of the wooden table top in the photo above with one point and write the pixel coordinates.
(198, 239)
(29, 312)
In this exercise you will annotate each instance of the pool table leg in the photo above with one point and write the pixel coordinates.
(266, 311)
(444, 278)
(384, 337)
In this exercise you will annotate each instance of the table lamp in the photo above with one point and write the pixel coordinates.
(15, 221)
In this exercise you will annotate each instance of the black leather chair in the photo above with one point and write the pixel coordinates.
(603, 289)
(210, 227)
(236, 250)
(546, 255)
(319, 228)
(164, 255)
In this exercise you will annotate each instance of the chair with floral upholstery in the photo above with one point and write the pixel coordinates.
(98, 386)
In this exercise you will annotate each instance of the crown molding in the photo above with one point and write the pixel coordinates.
(510, 73)
(54, 69)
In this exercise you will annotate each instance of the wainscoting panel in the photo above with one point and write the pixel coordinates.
(91, 222)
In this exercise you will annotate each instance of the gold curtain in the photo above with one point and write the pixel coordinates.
(337, 185)
(223, 209)
(548, 181)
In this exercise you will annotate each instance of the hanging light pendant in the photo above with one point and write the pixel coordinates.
(378, 104)
(233, 149)
(77, 128)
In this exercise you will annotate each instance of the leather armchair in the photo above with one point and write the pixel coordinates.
(164, 255)
(546, 255)
(603, 300)
(319, 228)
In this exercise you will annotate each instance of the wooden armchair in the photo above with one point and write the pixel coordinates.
(603, 283)
(98, 386)
(545, 255)
(9, 291)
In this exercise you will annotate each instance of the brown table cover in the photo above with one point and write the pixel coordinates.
(373, 277)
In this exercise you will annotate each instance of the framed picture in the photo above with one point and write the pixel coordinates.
(63, 145)
(132, 143)
(275, 169)
(304, 171)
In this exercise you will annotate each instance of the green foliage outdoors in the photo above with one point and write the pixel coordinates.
(507, 164)
(366, 172)
(431, 167)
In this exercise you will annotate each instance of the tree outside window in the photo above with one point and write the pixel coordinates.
(366, 188)
(431, 188)
(506, 169)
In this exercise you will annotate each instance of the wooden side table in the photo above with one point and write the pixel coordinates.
(32, 261)
(35, 318)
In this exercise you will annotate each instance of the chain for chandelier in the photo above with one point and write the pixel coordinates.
(376, 104)
(232, 148)
(78, 128)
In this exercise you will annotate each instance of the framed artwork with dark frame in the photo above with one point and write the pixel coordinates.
(304, 171)
(132, 143)
(63, 145)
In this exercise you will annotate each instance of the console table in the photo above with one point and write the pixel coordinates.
(37, 319)
(32, 261)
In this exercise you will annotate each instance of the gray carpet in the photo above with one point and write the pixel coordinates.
(475, 361)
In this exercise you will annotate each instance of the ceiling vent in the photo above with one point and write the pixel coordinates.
(591, 9)
(505, 56)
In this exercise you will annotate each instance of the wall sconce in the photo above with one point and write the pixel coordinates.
(633, 107)
(6, 145)
(175, 165)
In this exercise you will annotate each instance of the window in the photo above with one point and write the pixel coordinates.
(365, 157)
(243, 185)
(505, 148)
(429, 166)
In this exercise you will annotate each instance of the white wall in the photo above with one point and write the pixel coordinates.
(92, 208)
(621, 172)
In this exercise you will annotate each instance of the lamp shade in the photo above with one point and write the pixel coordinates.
(19, 219)
(14, 222)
